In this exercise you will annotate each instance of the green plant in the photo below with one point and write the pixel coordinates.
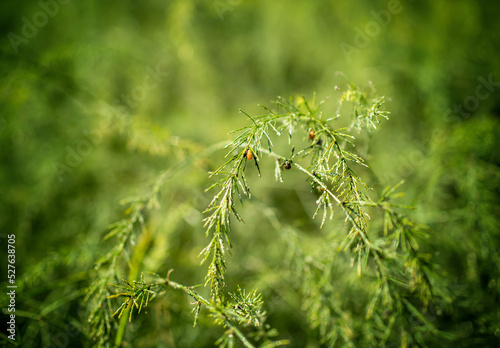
(384, 246)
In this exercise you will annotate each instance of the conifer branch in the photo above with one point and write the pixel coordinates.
(402, 270)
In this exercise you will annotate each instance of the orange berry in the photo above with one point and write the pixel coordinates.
(311, 134)
(249, 154)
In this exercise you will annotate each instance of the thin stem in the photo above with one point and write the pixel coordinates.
(135, 266)
(221, 312)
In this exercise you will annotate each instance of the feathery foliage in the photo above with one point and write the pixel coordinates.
(98, 99)
(387, 252)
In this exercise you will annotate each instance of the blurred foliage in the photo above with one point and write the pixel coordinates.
(100, 100)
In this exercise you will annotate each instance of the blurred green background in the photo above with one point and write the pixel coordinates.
(98, 98)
